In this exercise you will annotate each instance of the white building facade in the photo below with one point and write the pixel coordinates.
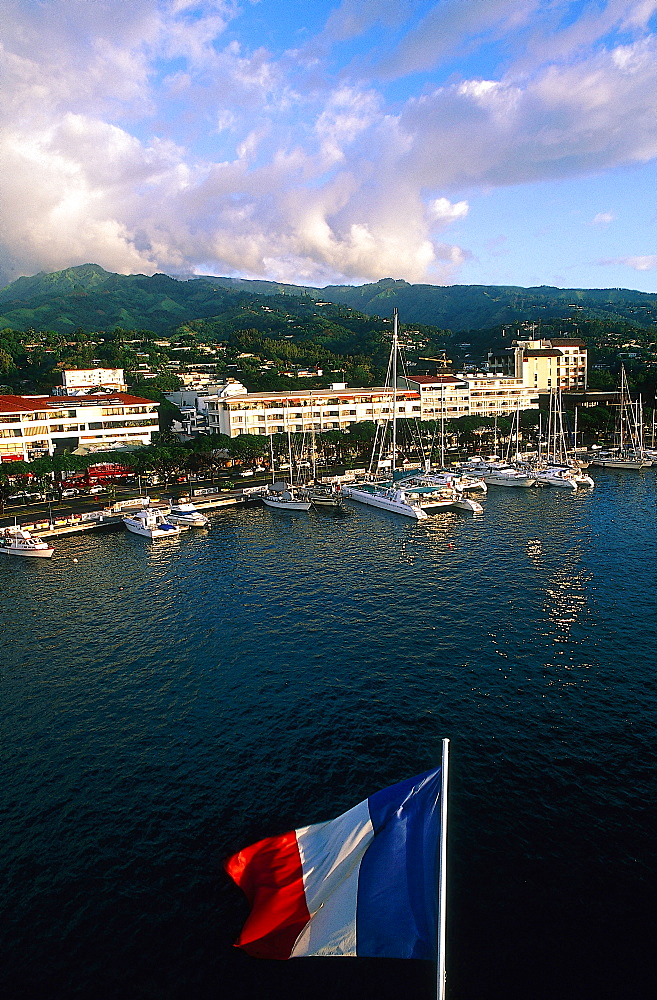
(421, 397)
(558, 363)
(34, 426)
(319, 410)
(82, 382)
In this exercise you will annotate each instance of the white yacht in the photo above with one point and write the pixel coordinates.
(562, 476)
(406, 492)
(150, 523)
(433, 495)
(186, 515)
(280, 496)
(386, 497)
(498, 473)
(461, 483)
(17, 541)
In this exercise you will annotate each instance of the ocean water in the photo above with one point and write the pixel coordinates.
(162, 705)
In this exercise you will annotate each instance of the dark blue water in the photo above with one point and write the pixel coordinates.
(163, 705)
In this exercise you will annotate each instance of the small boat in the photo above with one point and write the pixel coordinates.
(322, 496)
(186, 515)
(462, 484)
(18, 541)
(280, 496)
(151, 523)
(498, 473)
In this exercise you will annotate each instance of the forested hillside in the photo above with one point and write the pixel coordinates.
(90, 297)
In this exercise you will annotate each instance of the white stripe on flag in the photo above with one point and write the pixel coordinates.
(330, 857)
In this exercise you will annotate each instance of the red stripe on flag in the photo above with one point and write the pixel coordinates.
(270, 875)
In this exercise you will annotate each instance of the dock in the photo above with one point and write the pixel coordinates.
(111, 517)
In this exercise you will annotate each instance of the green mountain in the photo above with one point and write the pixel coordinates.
(472, 307)
(90, 297)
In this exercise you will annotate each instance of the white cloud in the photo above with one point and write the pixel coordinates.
(565, 121)
(147, 137)
(645, 263)
(445, 211)
(603, 219)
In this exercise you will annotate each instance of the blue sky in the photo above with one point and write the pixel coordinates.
(450, 142)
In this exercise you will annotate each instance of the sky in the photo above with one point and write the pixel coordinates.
(332, 141)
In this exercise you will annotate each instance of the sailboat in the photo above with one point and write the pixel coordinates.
(628, 452)
(406, 493)
(282, 496)
(557, 469)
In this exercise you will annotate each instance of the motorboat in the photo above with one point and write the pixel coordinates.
(186, 515)
(562, 476)
(17, 541)
(461, 483)
(498, 473)
(151, 523)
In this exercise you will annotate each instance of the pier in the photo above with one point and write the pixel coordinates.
(112, 517)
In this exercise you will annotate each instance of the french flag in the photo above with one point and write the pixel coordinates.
(365, 884)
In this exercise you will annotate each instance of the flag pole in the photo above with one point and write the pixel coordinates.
(442, 875)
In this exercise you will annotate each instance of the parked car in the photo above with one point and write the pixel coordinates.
(70, 493)
(247, 472)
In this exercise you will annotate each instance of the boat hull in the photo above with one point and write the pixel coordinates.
(621, 463)
(384, 503)
(492, 479)
(286, 504)
(152, 534)
(27, 552)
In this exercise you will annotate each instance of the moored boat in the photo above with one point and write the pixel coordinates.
(186, 515)
(16, 541)
(280, 496)
(151, 523)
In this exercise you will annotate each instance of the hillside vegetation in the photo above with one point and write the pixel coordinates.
(84, 315)
(93, 298)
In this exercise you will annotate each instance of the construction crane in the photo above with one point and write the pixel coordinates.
(443, 360)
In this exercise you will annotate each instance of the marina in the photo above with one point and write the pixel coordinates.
(272, 670)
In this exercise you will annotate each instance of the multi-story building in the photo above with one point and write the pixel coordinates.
(319, 410)
(34, 426)
(422, 396)
(558, 363)
(81, 382)
(480, 395)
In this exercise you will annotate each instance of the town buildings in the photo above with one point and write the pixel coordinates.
(34, 426)
(81, 382)
(558, 363)
(422, 396)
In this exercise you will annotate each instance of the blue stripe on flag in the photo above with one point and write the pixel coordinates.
(397, 910)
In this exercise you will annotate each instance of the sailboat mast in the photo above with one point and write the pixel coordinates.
(442, 426)
(394, 390)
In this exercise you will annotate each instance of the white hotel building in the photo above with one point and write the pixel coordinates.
(34, 426)
(422, 396)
